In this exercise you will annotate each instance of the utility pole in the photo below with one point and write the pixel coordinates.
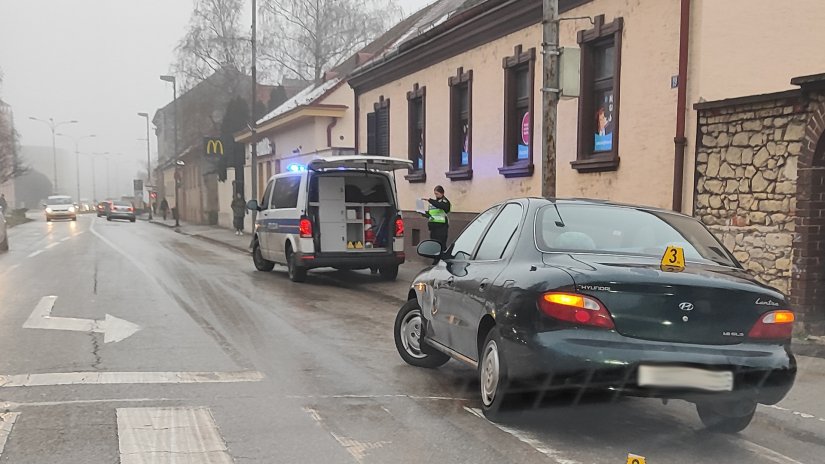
(178, 180)
(53, 127)
(253, 119)
(76, 141)
(550, 96)
(148, 163)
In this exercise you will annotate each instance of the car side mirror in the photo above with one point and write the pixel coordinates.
(430, 249)
(252, 205)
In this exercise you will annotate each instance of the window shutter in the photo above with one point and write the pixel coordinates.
(383, 131)
(371, 135)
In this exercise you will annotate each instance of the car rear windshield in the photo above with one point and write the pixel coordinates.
(622, 230)
(122, 203)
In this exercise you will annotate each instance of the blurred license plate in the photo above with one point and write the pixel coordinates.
(685, 377)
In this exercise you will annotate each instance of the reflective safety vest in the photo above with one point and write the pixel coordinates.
(437, 215)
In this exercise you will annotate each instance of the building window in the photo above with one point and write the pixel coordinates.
(598, 145)
(519, 78)
(416, 130)
(378, 129)
(461, 125)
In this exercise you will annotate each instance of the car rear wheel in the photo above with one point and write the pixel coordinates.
(492, 372)
(389, 272)
(296, 272)
(132, 220)
(728, 416)
(109, 218)
(261, 264)
(74, 219)
(408, 325)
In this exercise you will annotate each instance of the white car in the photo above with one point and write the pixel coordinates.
(339, 212)
(4, 237)
(60, 207)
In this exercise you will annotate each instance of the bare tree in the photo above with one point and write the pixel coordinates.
(306, 38)
(214, 40)
(11, 166)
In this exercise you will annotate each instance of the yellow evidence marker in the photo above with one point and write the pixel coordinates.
(635, 459)
(674, 259)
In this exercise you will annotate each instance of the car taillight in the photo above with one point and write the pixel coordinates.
(399, 227)
(775, 325)
(131, 209)
(305, 228)
(576, 309)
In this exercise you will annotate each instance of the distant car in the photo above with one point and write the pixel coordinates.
(60, 207)
(4, 237)
(121, 210)
(103, 208)
(575, 294)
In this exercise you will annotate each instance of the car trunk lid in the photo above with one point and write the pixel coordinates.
(704, 304)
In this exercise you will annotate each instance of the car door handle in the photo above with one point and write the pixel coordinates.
(483, 285)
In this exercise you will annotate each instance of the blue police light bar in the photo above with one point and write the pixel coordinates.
(295, 167)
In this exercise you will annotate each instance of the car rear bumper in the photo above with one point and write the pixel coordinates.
(607, 360)
(129, 216)
(351, 260)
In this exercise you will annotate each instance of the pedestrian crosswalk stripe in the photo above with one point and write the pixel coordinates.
(167, 435)
(7, 421)
(111, 378)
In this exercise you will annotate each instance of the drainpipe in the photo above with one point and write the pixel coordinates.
(679, 139)
(329, 131)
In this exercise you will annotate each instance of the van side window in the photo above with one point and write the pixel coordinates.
(267, 195)
(285, 194)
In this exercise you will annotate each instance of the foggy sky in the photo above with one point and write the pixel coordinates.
(96, 61)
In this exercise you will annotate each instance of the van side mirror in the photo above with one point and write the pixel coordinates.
(252, 205)
(430, 249)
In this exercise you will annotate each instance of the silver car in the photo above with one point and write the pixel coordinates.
(60, 207)
(4, 236)
(121, 210)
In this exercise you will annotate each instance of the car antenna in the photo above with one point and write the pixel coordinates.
(560, 222)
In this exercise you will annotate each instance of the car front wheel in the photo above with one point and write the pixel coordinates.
(261, 264)
(726, 416)
(408, 324)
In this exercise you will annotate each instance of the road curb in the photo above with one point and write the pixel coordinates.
(221, 243)
(805, 348)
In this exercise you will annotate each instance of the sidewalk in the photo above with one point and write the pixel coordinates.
(396, 290)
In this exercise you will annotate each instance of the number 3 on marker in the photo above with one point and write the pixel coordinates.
(674, 259)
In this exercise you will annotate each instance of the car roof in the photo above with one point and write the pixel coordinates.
(599, 202)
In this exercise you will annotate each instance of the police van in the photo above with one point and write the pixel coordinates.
(339, 212)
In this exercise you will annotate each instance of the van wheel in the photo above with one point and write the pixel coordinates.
(389, 272)
(261, 264)
(296, 273)
(408, 339)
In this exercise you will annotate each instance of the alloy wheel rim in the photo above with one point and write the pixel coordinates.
(410, 332)
(490, 369)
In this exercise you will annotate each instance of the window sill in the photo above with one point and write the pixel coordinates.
(460, 174)
(517, 170)
(596, 163)
(416, 177)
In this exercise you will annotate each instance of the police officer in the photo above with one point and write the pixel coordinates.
(437, 222)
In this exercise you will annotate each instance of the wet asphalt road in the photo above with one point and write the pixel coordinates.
(290, 373)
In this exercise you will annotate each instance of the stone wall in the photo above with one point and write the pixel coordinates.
(746, 181)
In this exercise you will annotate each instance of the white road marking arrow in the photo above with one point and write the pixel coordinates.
(112, 328)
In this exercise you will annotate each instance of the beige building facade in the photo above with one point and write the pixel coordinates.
(617, 139)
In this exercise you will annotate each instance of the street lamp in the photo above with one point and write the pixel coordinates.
(77, 155)
(167, 78)
(148, 162)
(53, 126)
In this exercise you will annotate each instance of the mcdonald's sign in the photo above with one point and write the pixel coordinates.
(213, 147)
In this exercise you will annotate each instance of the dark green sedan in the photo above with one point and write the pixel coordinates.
(545, 295)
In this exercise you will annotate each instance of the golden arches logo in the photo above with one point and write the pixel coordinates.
(214, 147)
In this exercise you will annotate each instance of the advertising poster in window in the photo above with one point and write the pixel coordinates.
(604, 121)
(524, 146)
(419, 164)
(465, 144)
